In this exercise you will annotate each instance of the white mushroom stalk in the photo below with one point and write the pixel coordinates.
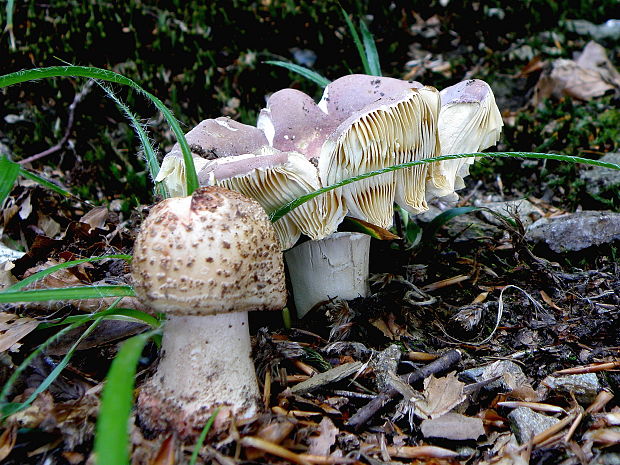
(205, 261)
(469, 121)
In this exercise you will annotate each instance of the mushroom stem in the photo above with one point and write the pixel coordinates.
(205, 364)
(334, 267)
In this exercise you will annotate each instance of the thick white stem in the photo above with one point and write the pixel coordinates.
(334, 267)
(206, 363)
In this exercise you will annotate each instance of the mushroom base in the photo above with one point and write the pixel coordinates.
(205, 364)
(334, 267)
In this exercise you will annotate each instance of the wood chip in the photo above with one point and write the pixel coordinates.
(412, 452)
(274, 449)
(329, 376)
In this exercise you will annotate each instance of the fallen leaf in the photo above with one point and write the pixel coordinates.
(592, 75)
(7, 441)
(13, 329)
(321, 444)
(440, 396)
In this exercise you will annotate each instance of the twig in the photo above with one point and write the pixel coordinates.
(79, 96)
(442, 364)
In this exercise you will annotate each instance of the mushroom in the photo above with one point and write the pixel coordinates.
(205, 261)
(362, 123)
(241, 159)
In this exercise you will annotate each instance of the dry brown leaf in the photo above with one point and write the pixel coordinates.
(592, 75)
(322, 444)
(13, 329)
(7, 440)
(277, 431)
(594, 57)
(548, 300)
(96, 218)
(440, 396)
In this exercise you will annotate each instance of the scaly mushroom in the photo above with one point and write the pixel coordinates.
(205, 261)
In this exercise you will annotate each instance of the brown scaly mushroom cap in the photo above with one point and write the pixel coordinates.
(205, 261)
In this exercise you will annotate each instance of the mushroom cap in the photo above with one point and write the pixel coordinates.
(469, 121)
(275, 178)
(213, 252)
(209, 140)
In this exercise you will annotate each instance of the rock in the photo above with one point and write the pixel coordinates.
(453, 426)
(526, 423)
(599, 179)
(526, 210)
(384, 366)
(576, 231)
(7, 254)
(510, 376)
(584, 387)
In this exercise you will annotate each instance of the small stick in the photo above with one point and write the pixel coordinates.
(442, 364)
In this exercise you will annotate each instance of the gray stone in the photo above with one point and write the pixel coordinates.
(599, 179)
(525, 210)
(453, 426)
(510, 374)
(576, 231)
(526, 423)
(584, 387)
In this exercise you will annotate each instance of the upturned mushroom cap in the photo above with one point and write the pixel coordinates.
(211, 139)
(389, 121)
(274, 178)
(213, 252)
(296, 123)
(469, 121)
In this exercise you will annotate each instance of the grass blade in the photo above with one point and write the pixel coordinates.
(43, 273)
(120, 314)
(357, 41)
(11, 408)
(112, 433)
(149, 151)
(79, 321)
(280, 212)
(45, 183)
(8, 175)
(203, 435)
(10, 6)
(66, 293)
(305, 72)
(110, 76)
(370, 49)
(443, 218)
